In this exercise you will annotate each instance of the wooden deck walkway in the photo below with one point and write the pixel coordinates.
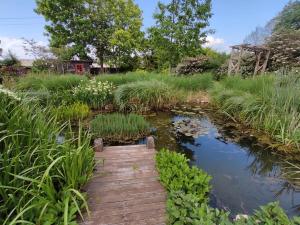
(125, 189)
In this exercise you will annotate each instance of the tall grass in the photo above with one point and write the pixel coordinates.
(119, 127)
(143, 96)
(188, 83)
(40, 178)
(269, 103)
(52, 83)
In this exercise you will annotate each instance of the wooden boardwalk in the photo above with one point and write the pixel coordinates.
(125, 189)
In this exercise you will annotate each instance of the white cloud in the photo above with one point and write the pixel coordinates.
(215, 43)
(16, 46)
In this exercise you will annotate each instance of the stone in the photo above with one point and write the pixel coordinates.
(98, 145)
(150, 143)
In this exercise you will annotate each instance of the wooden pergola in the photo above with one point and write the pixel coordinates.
(262, 55)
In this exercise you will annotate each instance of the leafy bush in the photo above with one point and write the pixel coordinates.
(187, 202)
(176, 175)
(94, 93)
(118, 128)
(40, 177)
(52, 83)
(74, 111)
(143, 96)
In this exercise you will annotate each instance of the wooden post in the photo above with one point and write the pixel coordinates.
(150, 143)
(257, 66)
(264, 67)
(98, 145)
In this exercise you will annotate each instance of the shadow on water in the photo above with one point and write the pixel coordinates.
(246, 174)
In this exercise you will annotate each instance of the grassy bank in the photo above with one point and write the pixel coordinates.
(188, 189)
(40, 177)
(269, 103)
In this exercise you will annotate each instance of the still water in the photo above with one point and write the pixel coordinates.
(245, 174)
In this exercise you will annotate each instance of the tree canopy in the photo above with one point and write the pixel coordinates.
(109, 29)
(179, 30)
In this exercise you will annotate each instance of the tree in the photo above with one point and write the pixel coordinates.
(111, 29)
(179, 30)
(289, 18)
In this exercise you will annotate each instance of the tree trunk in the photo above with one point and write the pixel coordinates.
(101, 59)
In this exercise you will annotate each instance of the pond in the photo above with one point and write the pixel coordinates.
(245, 173)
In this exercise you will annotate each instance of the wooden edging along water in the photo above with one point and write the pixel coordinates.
(125, 188)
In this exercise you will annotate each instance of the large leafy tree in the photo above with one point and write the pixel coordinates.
(111, 29)
(289, 18)
(179, 30)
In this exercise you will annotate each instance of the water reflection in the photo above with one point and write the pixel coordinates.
(245, 173)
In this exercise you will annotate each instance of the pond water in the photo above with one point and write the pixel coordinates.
(245, 174)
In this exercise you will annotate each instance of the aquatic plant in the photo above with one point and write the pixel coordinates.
(188, 189)
(268, 103)
(74, 111)
(94, 93)
(118, 127)
(40, 178)
(143, 96)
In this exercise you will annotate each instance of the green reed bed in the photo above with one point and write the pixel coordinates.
(119, 128)
(197, 82)
(40, 178)
(50, 82)
(269, 103)
(188, 197)
(144, 96)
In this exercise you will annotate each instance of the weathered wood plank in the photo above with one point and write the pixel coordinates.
(125, 188)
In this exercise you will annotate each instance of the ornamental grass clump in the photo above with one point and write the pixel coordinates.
(50, 82)
(119, 128)
(74, 111)
(40, 177)
(143, 96)
(95, 94)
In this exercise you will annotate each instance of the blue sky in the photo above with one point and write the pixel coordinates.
(232, 20)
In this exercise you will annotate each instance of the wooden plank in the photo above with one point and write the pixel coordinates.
(125, 188)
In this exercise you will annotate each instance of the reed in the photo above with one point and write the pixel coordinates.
(118, 127)
(269, 103)
(144, 96)
(50, 82)
(40, 177)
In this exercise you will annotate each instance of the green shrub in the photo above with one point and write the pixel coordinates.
(74, 111)
(188, 190)
(117, 127)
(40, 177)
(52, 83)
(143, 96)
(197, 82)
(176, 175)
(94, 93)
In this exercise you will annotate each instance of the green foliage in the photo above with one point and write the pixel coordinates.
(289, 18)
(267, 102)
(74, 111)
(188, 190)
(112, 27)
(187, 209)
(143, 96)
(40, 177)
(179, 30)
(119, 127)
(94, 93)
(10, 60)
(52, 83)
(176, 175)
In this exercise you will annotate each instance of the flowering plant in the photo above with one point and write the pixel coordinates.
(94, 93)
(9, 93)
